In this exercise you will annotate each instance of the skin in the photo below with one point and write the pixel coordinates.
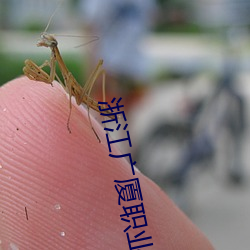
(65, 181)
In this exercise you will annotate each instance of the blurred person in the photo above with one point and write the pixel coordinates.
(121, 26)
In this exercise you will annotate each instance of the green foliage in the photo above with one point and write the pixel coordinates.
(11, 66)
(34, 26)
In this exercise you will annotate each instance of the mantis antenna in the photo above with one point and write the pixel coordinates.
(53, 14)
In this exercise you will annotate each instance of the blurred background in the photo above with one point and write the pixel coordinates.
(182, 69)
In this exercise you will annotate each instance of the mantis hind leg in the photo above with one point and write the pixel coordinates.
(70, 100)
(70, 109)
(88, 87)
(92, 127)
(70, 89)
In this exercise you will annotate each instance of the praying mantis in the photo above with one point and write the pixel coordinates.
(69, 83)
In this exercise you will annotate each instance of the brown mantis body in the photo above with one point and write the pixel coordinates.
(71, 86)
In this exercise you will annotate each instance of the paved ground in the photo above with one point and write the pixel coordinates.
(222, 213)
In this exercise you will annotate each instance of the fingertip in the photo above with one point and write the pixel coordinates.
(57, 188)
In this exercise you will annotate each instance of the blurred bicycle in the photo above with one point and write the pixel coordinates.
(172, 149)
